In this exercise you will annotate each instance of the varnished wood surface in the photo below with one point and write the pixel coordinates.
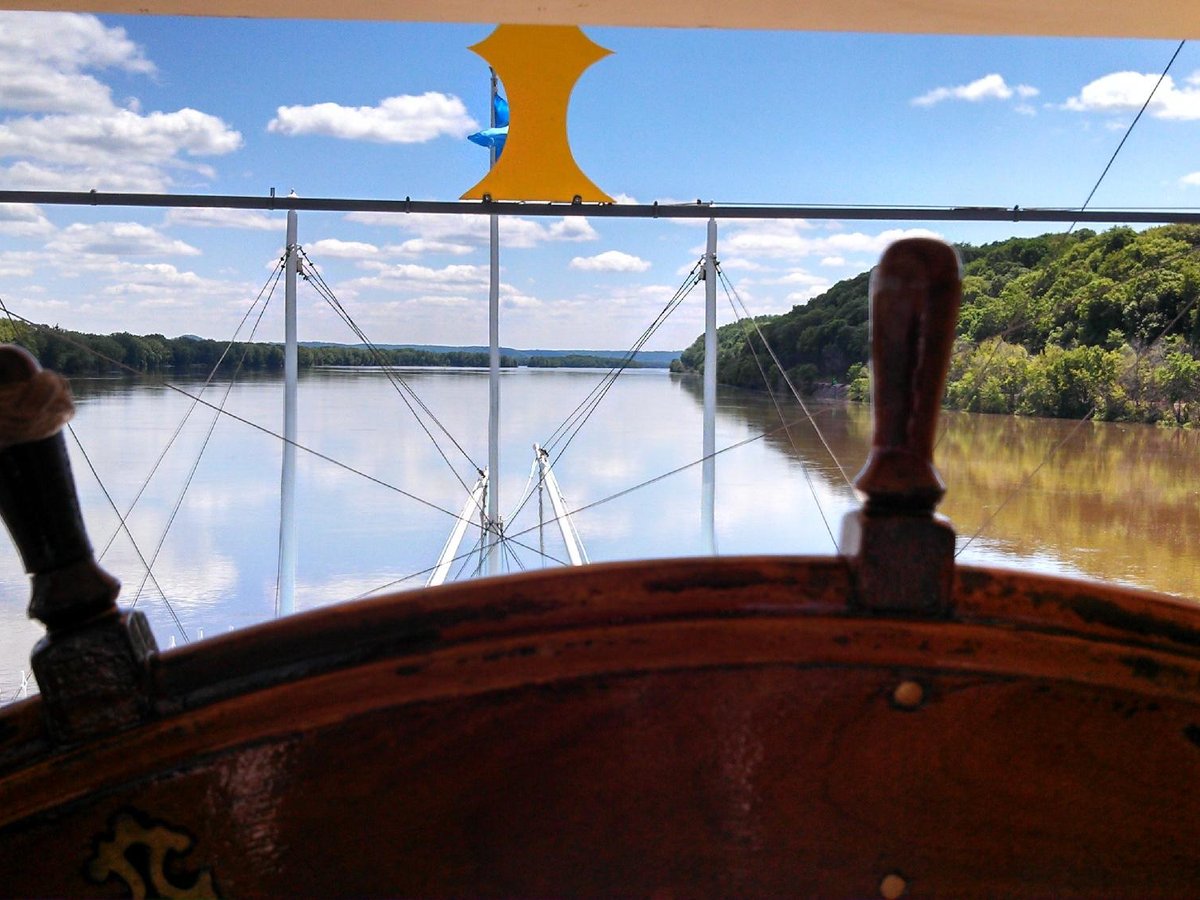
(677, 728)
(1111, 18)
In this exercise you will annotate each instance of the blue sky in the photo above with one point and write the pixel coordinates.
(383, 109)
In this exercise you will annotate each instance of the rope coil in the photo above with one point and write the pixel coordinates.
(34, 409)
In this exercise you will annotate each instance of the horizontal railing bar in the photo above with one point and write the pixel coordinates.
(696, 210)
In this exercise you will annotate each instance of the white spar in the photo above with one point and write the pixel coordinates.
(575, 551)
(471, 510)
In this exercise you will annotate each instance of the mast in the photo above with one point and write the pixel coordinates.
(709, 470)
(575, 552)
(285, 603)
(492, 538)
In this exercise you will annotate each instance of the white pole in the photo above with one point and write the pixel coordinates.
(493, 510)
(473, 505)
(286, 601)
(570, 537)
(709, 470)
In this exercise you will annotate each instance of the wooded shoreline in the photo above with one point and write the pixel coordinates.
(74, 353)
(1061, 325)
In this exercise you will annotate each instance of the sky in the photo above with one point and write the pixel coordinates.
(382, 110)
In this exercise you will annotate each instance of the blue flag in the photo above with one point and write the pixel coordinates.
(494, 137)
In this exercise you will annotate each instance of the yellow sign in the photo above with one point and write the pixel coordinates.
(539, 65)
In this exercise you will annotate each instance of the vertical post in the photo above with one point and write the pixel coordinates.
(709, 470)
(285, 602)
(493, 510)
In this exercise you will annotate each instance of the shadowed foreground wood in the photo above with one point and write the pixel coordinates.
(644, 733)
(878, 724)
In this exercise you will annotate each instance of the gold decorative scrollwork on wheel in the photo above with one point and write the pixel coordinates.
(138, 851)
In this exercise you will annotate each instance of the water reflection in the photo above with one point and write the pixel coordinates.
(1103, 500)
(1111, 503)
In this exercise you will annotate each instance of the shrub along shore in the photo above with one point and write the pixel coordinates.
(1060, 325)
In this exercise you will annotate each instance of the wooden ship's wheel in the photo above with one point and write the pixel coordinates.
(881, 723)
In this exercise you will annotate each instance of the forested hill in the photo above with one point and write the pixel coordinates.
(1056, 325)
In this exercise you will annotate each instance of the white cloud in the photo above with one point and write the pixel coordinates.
(729, 265)
(800, 276)
(115, 136)
(572, 229)
(803, 296)
(610, 261)
(202, 217)
(117, 239)
(405, 119)
(22, 264)
(150, 279)
(1127, 91)
(43, 57)
(23, 220)
(776, 241)
(514, 298)
(420, 246)
(425, 277)
(1192, 180)
(989, 87)
(133, 176)
(459, 230)
(833, 261)
(115, 150)
(334, 248)
(767, 237)
(72, 136)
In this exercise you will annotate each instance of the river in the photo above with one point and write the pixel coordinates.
(1095, 500)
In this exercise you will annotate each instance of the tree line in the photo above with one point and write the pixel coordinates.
(582, 361)
(76, 353)
(1059, 325)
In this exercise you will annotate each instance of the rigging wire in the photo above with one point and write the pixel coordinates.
(657, 478)
(1128, 131)
(271, 283)
(137, 549)
(1028, 319)
(199, 456)
(108, 496)
(243, 420)
(945, 425)
(403, 388)
(595, 503)
(566, 432)
(593, 398)
(996, 344)
(787, 380)
(1025, 482)
(465, 558)
(779, 411)
(511, 557)
(1088, 415)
